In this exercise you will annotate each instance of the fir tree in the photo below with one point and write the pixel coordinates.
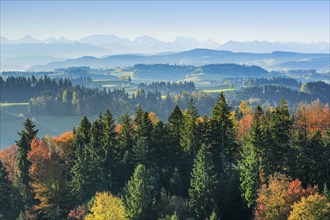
(110, 163)
(222, 135)
(189, 132)
(24, 146)
(203, 185)
(280, 125)
(124, 151)
(140, 194)
(249, 174)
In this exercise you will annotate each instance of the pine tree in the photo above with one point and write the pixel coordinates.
(203, 185)
(189, 133)
(223, 135)
(24, 146)
(190, 142)
(175, 151)
(80, 184)
(124, 151)
(280, 125)
(110, 163)
(140, 194)
(142, 150)
(82, 173)
(174, 124)
(249, 173)
(82, 133)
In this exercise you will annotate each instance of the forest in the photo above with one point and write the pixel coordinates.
(248, 163)
(61, 96)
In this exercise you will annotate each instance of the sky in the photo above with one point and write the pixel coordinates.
(221, 21)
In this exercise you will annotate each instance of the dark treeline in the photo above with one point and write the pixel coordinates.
(79, 100)
(284, 81)
(190, 167)
(168, 87)
(234, 69)
(271, 95)
(161, 71)
(21, 89)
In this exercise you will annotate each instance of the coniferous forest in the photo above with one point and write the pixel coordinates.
(252, 163)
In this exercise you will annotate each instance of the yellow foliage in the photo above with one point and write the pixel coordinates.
(244, 106)
(107, 207)
(153, 118)
(314, 207)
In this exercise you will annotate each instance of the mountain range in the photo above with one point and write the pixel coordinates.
(199, 57)
(27, 52)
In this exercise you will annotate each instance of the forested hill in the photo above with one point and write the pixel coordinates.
(177, 72)
(200, 57)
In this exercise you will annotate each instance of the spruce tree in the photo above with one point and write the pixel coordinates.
(249, 174)
(189, 133)
(223, 135)
(140, 194)
(175, 151)
(280, 125)
(143, 150)
(81, 172)
(23, 147)
(82, 133)
(190, 142)
(202, 198)
(110, 162)
(124, 151)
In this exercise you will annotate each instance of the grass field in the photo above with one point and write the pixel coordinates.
(12, 116)
(13, 104)
(217, 90)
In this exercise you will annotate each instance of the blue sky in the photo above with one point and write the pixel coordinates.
(218, 20)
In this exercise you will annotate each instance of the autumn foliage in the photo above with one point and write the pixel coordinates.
(314, 207)
(107, 206)
(275, 200)
(64, 145)
(8, 159)
(313, 117)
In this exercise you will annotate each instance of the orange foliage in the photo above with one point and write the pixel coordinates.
(78, 213)
(118, 128)
(244, 107)
(313, 117)
(40, 157)
(63, 138)
(153, 118)
(243, 126)
(64, 145)
(8, 159)
(275, 200)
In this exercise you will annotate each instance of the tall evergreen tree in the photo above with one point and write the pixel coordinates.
(175, 151)
(202, 198)
(110, 163)
(190, 141)
(223, 144)
(249, 174)
(253, 160)
(279, 128)
(24, 146)
(143, 150)
(189, 133)
(81, 183)
(124, 154)
(140, 194)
